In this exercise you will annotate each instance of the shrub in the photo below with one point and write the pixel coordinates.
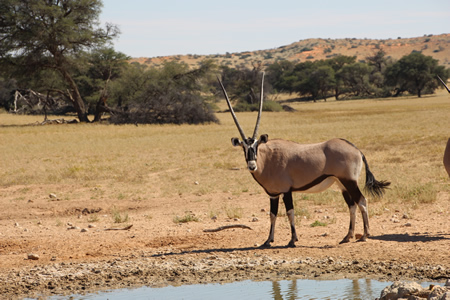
(189, 217)
(318, 223)
(118, 217)
(234, 212)
(267, 106)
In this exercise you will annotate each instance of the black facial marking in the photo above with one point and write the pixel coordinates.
(251, 149)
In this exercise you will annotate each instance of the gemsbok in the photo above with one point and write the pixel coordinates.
(447, 148)
(282, 167)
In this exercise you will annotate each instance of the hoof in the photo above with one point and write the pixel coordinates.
(291, 245)
(363, 239)
(344, 241)
(264, 246)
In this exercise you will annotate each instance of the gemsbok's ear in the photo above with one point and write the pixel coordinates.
(236, 142)
(263, 139)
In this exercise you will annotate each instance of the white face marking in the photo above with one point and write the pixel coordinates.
(251, 163)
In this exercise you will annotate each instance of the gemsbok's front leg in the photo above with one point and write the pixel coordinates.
(288, 203)
(273, 218)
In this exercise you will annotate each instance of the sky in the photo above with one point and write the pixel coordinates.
(151, 28)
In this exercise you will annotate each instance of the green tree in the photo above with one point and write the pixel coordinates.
(103, 66)
(337, 63)
(355, 78)
(316, 80)
(243, 84)
(278, 75)
(171, 94)
(415, 73)
(52, 35)
(378, 62)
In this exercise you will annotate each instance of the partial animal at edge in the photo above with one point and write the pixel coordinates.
(447, 148)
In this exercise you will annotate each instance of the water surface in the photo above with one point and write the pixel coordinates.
(278, 290)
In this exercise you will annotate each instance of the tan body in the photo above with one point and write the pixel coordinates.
(282, 167)
(295, 167)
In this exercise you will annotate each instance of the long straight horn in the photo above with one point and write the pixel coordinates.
(232, 111)
(255, 133)
(448, 90)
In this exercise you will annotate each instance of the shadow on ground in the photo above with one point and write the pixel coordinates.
(415, 237)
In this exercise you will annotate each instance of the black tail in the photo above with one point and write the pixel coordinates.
(374, 187)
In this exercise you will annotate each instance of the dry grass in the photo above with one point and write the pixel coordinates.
(403, 140)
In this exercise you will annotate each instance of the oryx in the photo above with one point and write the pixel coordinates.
(447, 148)
(282, 167)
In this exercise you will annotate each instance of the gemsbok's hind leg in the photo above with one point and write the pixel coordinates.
(288, 203)
(352, 208)
(273, 217)
(362, 204)
(353, 196)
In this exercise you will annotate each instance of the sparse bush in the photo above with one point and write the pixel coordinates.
(93, 218)
(188, 217)
(317, 223)
(267, 106)
(304, 49)
(301, 212)
(417, 194)
(234, 212)
(118, 217)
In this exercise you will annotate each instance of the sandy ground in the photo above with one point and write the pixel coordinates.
(73, 252)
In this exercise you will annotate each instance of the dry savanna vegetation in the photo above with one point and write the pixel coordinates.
(403, 140)
(165, 184)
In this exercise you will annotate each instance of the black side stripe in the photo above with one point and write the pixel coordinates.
(315, 182)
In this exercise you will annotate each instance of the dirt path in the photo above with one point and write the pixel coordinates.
(73, 257)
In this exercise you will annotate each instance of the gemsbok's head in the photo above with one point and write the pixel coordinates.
(249, 144)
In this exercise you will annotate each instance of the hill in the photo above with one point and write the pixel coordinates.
(437, 46)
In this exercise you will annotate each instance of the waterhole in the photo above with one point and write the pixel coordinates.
(278, 290)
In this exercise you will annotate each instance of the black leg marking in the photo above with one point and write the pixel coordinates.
(274, 206)
(273, 217)
(287, 199)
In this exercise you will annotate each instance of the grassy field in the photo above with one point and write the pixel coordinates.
(403, 140)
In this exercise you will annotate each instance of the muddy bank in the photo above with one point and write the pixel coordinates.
(178, 268)
(72, 257)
